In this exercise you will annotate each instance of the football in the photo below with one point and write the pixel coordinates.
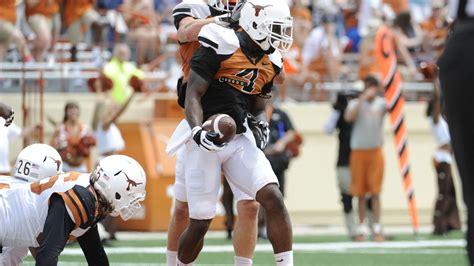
(223, 125)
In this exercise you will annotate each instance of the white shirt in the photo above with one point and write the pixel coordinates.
(453, 8)
(315, 43)
(7, 134)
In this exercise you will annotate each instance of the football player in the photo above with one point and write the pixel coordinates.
(34, 163)
(189, 18)
(232, 73)
(47, 213)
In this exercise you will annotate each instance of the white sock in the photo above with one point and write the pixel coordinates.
(284, 258)
(377, 228)
(171, 257)
(242, 261)
(179, 263)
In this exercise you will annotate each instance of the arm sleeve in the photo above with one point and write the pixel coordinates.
(92, 247)
(205, 63)
(56, 232)
(13, 131)
(332, 123)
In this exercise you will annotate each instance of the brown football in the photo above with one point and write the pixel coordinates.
(222, 124)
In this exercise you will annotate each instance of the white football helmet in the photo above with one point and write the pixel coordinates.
(268, 23)
(121, 181)
(36, 162)
(222, 5)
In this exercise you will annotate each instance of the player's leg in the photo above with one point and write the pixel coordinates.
(245, 232)
(344, 182)
(13, 256)
(180, 217)
(248, 169)
(228, 202)
(202, 180)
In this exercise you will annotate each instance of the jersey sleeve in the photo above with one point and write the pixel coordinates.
(56, 230)
(92, 247)
(197, 9)
(80, 203)
(222, 40)
(277, 61)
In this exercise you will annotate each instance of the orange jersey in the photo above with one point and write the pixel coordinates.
(196, 10)
(73, 10)
(8, 10)
(46, 8)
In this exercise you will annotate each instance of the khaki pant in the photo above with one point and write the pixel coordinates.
(74, 31)
(40, 24)
(6, 31)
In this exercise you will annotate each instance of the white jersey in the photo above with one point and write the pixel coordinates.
(24, 208)
(7, 182)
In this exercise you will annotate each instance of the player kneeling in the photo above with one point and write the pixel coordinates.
(47, 213)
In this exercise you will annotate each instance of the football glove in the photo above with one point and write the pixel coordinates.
(9, 118)
(206, 140)
(235, 15)
(260, 130)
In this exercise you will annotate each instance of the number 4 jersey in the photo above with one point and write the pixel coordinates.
(236, 69)
(24, 208)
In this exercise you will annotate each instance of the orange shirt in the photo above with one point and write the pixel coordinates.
(8, 10)
(73, 10)
(46, 8)
(397, 5)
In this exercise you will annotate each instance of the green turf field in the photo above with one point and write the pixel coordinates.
(309, 250)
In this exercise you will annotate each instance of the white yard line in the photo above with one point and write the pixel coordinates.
(410, 246)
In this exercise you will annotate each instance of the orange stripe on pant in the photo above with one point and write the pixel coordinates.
(387, 61)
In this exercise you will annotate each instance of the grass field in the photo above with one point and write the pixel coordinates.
(403, 249)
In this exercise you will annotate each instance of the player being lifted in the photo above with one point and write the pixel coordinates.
(46, 214)
(189, 17)
(231, 73)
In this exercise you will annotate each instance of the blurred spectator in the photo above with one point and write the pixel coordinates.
(322, 53)
(336, 120)
(10, 33)
(419, 10)
(73, 140)
(446, 214)
(8, 134)
(397, 5)
(121, 71)
(39, 14)
(435, 30)
(143, 34)
(78, 14)
(297, 75)
(366, 162)
(109, 142)
(368, 9)
(278, 151)
(408, 33)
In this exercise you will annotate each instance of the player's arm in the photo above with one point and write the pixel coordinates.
(197, 87)
(92, 247)
(190, 27)
(55, 234)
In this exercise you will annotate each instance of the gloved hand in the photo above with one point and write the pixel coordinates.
(7, 113)
(206, 140)
(260, 130)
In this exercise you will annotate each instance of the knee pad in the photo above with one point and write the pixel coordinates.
(346, 202)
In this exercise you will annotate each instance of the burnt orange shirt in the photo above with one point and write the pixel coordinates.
(73, 10)
(397, 5)
(46, 8)
(8, 10)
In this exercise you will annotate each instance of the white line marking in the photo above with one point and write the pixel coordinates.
(327, 247)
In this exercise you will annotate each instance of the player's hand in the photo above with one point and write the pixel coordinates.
(261, 132)
(7, 113)
(206, 140)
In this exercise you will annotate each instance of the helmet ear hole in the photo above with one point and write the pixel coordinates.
(254, 25)
(117, 196)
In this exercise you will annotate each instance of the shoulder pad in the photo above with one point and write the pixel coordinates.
(193, 8)
(220, 39)
(276, 58)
